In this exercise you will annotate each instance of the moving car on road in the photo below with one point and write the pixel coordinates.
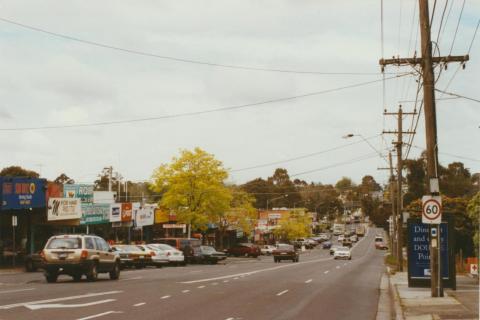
(354, 238)
(380, 245)
(341, 238)
(342, 253)
(326, 245)
(208, 254)
(333, 249)
(132, 256)
(285, 252)
(77, 255)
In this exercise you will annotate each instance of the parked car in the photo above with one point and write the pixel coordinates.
(285, 252)
(326, 245)
(381, 245)
(244, 249)
(77, 255)
(187, 245)
(333, 248)
(208, 254)
(354, 238)
(174, 256)
(33, 262)
(158, 257)
(311, 243)
(324, 236)
(347, 243)
(267, 249)
(378, 238)
(132, 256)
(340, 238)
(342, 253)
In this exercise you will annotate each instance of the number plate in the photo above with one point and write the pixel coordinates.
(62, 255)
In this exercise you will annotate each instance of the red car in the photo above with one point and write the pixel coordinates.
(244, 249)
(381, 245)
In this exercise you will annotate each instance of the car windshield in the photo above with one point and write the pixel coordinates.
(65, 243)
(162, 246)
(343, 249)
(129, 248)
(285, 247)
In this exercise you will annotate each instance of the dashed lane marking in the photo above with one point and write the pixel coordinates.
(63, 306)
(17, 290)
(282, 292)
(185, 291)
(133, 278)
(215, 283)
(326, 272)
(99, 315)
(139, 304)
(308, 281)
(201, 287)
(338, 267)
(165, 297)
(225, 281)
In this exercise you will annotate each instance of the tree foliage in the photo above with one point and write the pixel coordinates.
(473, 211)
(295, 225)
(64, 179)
(193, 187)
(17, 171)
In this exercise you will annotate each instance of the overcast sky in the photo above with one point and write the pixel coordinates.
(48, 81)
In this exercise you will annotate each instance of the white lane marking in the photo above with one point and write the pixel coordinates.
(60, 306)
(230, 319)
(226, 281)
(215, 283)
(326, 272)
(345, 264)
(338, 267)
(99, 315)
(282, 292)
(201, 287)
(139, 304)
(17, 290)
(309, 280)
(89, 295)
(235, 276)
(133, 278)
(165, 297)
(185, 291)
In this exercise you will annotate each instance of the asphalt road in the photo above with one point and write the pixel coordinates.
(317, 287)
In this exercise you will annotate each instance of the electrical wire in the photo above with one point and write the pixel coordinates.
(473, 39)
(458, 95)
(303, 156)
(177, 59)
(452, 155)
(195, 113)
(456, 30)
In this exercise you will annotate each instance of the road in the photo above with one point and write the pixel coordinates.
(317, 287)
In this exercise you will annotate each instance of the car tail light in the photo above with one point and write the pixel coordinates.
(152, 253)
(84, 254)
(42, 255)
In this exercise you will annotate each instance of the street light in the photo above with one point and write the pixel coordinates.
(351, 135)
(284, 196)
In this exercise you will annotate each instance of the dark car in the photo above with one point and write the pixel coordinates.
(244, 249)
(326, 245)
(132, 256)
(187, 245)
(208, 254)
(33, 262)
(285, 252)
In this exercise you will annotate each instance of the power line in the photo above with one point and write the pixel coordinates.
(195, 113)
(458, 95)
(177, 59)
(303, 156)
(452, 155)
(456, 30)
(354, 160)
(473, 39)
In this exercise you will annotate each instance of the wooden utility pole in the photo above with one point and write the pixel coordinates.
(426, 61)
(393, 238)
(399, 146)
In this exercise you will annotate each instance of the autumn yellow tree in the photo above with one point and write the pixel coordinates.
(296, 225)
(193, 187)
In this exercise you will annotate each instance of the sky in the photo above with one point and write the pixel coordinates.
(46, 80)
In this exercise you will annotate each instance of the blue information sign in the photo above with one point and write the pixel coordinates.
(419, 250)
(22, 193)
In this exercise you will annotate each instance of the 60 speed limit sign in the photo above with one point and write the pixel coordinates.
(432, 209)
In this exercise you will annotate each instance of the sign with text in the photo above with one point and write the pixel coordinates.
(432, 209)
(82, 191)
(97, 213)
(116, 212)
(22, 193)
(126, 212)
(64, 209)
(419, 250)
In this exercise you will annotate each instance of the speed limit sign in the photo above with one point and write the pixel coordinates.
(432, 209)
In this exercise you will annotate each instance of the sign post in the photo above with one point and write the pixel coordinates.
(14, 224)
(432, 214)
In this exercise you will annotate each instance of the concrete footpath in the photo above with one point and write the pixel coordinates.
(417, 303)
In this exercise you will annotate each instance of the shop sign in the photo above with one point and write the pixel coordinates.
(126, 212)
(97, 213)
(82, 191)
(144, 216)
(22, 193)
(115, 212)
(64, 209)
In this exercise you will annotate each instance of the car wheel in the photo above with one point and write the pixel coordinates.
(115, 273)
(350, 258)
(77, 277)
(51, 276)
(92, 274)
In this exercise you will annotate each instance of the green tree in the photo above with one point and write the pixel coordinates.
(455, 180)
(260, 189)
(296, 225)
(344, 184)
(193, 187)
(64, 179)
(473, 211)
(17, 171)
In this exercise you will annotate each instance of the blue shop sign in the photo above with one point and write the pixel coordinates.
(22, 193)
(419, 250)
